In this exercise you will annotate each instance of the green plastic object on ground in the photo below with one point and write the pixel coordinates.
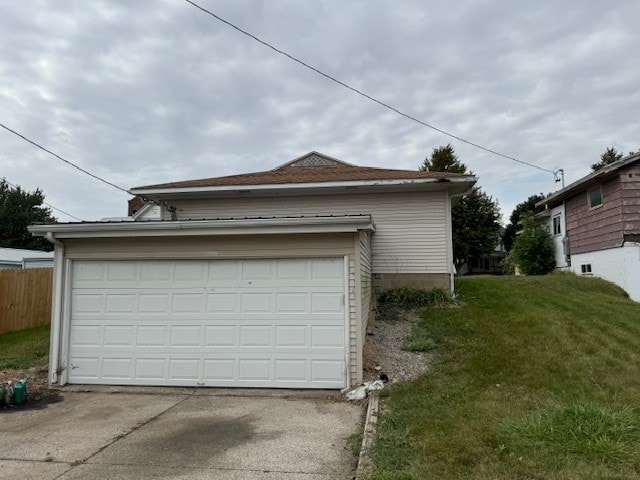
(20, 392)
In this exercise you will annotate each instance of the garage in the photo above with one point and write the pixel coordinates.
(254, 302)
(257, 322)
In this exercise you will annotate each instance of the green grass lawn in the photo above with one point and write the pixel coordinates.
(539, 378)
(24, 348)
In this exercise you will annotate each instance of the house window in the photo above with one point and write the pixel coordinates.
(595, 197)
(557, 227)
(585, 268)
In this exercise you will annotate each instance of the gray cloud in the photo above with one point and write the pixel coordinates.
(145, 92)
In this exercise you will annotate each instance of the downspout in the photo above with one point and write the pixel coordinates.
(56, 307)
(450, 257)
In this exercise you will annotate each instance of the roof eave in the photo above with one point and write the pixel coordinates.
(257, 226)
(599, 175)
(301, 188)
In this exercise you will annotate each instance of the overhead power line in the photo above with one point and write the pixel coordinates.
(15, 187)
(63, 159)
(365, 95)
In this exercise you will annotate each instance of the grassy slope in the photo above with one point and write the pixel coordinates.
(529, 368)
(24, 348)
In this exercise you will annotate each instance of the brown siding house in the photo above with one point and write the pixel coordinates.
(602, 223)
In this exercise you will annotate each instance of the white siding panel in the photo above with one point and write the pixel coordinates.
(411, 232)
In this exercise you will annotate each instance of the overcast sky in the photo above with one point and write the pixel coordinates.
(146, 92)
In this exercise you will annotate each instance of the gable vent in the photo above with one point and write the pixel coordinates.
(314, 161)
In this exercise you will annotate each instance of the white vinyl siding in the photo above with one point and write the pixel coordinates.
(366, 280)
(411, 228)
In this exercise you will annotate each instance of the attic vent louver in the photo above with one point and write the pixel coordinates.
(314, 161)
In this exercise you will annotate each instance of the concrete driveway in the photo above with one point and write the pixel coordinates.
(168, 433)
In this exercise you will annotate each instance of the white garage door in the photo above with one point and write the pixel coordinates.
(244, 323)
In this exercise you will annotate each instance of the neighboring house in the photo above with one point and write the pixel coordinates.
(488, 264)
(256, 280)
(595, 223)
(22, 258)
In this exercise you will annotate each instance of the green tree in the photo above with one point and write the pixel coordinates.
(533, 249)
(475, 217)
(476, 226)
(610, 155)
(443, 159)
(521, 209)
(19, 208)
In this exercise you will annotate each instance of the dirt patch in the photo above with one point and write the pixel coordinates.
(39, 392)
(383, 351)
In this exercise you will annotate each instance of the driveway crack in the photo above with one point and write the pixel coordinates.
(139, 425)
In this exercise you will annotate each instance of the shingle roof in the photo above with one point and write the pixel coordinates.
(581, 184)
(305, 170)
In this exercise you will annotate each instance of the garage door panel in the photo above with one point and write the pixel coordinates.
(120, 304)
(260, 323)
(222, 303)
(86, 335)
(291, 370)
(218, 369)
(185, 336)
(88, 273)
(224, 270)
(187, 303)
(292, 336)
(152, 335)
(323, 336)
(327, 303)
(190, 271)
(254, 369)
(119, 336)
(255, 336)
(184, 369)
(118, 272)
(154, 303)
(87, 304)
(292, 303)
(221, 336)
(257, 270)
(117, 368)
(256, 302)
(85, 368)
(156, 272)
(324, 268)
(326, 370)
(150, 369)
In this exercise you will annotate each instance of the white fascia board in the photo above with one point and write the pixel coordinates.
(208, 227)
(469, 179)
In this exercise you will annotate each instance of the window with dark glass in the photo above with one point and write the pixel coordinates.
(557, 226)
(595, 197)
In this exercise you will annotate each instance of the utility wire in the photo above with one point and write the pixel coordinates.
(362, 94)
(63, 159)
(15, 187)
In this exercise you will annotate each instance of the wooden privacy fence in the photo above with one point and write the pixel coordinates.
(25, 298)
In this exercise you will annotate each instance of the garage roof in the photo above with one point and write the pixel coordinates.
(231, 226)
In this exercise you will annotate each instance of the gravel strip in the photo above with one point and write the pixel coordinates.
(383, 349)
